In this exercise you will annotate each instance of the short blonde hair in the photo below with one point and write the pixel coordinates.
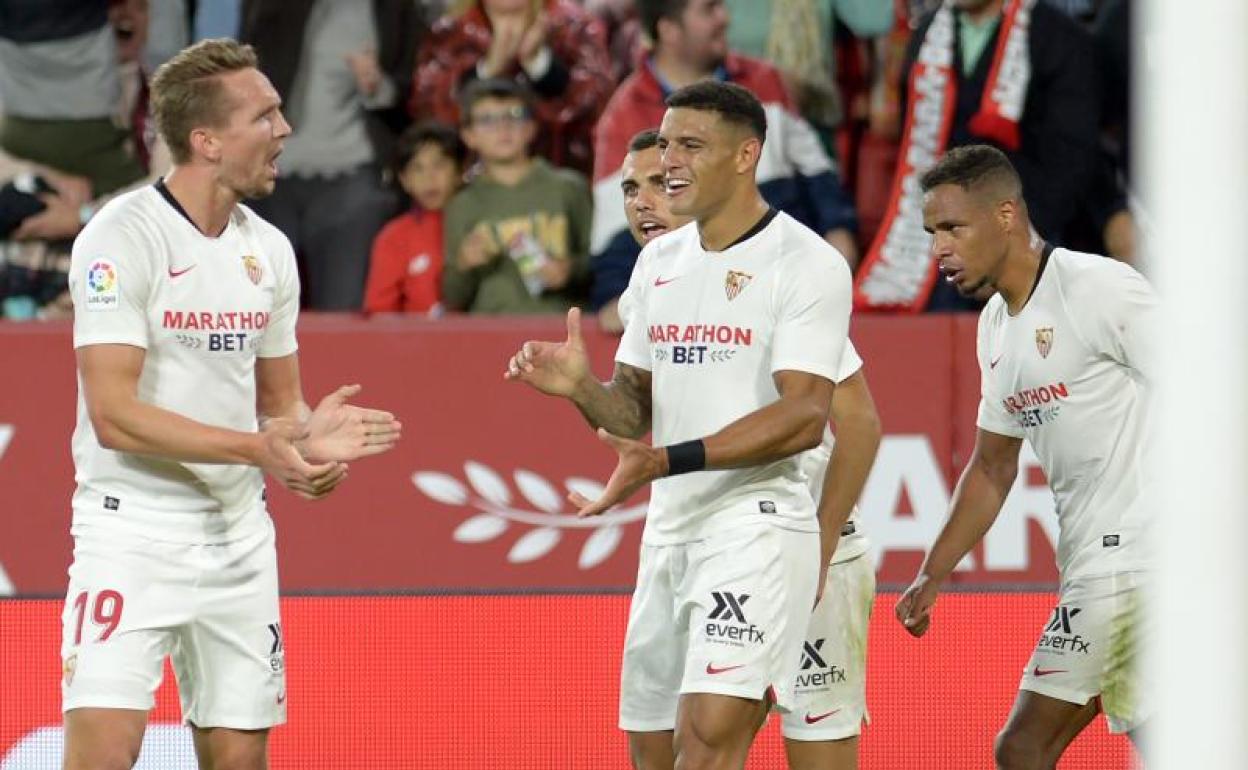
(187, 91)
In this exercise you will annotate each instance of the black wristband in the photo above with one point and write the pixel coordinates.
(686, 457)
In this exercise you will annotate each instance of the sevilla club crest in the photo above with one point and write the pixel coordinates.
(252, 266)
(736, 282)
(1044, 340)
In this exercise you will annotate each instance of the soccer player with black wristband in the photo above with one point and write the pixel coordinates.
(830, 691)
(734, 340)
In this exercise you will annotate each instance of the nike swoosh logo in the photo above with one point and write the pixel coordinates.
(712, 670)
(810, 720)
(1037, 671)
(281, 699)
(175, 273)
(993, 364)
(661, 282)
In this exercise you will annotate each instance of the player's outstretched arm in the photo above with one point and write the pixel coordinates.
(110, 379)
(621, 406)
(858, 431)
(976, 502)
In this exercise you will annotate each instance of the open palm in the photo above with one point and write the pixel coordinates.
(555, 368)
(341, 431)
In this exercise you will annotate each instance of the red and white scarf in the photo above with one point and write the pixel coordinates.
(898, 271)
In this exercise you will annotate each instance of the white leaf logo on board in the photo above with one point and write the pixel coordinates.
(441, 487)
(487, 483)
(480, 528)
(538, 509)
(534, 544)
(599, 546)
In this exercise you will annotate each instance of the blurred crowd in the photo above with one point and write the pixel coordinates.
(464, 156)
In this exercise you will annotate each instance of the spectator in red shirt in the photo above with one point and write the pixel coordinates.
(554, 48)
(405, 271)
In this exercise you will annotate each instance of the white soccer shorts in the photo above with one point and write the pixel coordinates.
(831, 684)
(723, 615)
(213, 609)
(1090, 648)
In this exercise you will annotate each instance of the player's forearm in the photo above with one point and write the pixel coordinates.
(139, 428)
(776, 431)
(976, 502)
(613, 406)
(853, 454)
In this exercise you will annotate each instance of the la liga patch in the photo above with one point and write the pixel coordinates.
(102, 287)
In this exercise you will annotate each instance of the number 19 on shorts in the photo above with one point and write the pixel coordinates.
(105, 613)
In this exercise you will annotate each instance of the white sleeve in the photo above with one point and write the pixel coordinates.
(634, 347)
(279, 338)
(812, 320)
(1123, 310)
(993, 416)
(851, 362)
(110, 281)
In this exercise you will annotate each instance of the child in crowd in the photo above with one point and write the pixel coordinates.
(405, 270)
(517, 235)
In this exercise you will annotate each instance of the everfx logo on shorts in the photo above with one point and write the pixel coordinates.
(812, 658)
(728, 606)
(726, 620)
(277, 652)
(1059, 634)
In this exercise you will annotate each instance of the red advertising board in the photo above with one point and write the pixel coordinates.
(531, 683)
(475, 495)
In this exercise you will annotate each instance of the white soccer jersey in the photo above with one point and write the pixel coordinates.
(853, 542)
(712, 328)
(1069, 374)
(203, 309)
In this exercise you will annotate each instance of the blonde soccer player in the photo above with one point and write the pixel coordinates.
(189, 393)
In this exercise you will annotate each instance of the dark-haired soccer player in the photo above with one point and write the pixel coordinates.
(1064, 359)
(830, 691)
(730, 353)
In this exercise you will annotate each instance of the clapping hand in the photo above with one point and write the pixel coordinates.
(339, 431)
(280, 458)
